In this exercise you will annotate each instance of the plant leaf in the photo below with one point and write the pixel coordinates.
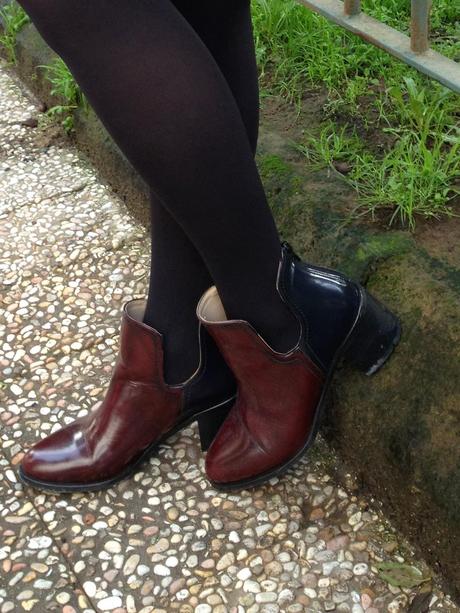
(401, 575)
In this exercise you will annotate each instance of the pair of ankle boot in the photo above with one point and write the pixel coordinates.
(258, 410)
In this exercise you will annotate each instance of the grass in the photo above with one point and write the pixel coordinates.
(405, 159)
(64, 85)
(13, 18)
(417, 175)
(300, 49)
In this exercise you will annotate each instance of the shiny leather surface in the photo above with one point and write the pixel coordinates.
(138, 408)
(278, 394)
(274, 410)
(326, 301)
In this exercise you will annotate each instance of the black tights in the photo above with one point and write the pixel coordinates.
(175, 84)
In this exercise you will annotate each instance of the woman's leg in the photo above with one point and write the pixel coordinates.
(162, 96)
(226, 30)
(178, 274)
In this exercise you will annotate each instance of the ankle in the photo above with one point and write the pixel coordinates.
(274, 322)
(180, 360)
(181, 350)
(282, 332)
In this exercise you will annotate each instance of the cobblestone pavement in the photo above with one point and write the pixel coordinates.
(164, 540)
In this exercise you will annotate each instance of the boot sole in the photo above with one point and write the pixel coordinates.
(392, 337)
(149, 451)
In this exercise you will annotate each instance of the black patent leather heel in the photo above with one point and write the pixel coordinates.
(210, 422)
(373, 338)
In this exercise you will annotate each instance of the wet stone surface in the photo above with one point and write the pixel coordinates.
(163, 540)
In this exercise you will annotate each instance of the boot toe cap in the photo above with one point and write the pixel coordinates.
(234, 455)
(55, 458)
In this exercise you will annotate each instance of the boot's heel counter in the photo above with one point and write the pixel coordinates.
(340, 317)
(328, 303)
(376, 333)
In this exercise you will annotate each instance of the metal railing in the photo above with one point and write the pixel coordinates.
(414, 50)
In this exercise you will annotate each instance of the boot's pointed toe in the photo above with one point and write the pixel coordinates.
(244, 454)
(232, 442)
(54, 457)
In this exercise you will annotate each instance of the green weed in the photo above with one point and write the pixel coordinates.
(411, 179)
(417, 169)
(13, 18)
(416, 176)
(64, 86)
(333, 145)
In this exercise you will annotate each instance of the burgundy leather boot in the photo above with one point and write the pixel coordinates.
(138, 412)
(280, 395)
